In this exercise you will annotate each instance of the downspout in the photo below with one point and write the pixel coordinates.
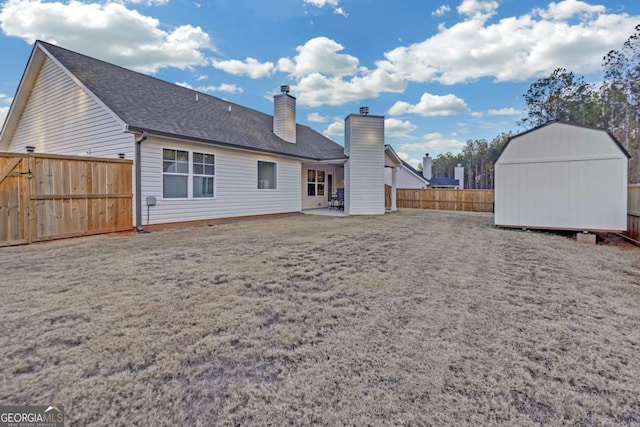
(138, 172)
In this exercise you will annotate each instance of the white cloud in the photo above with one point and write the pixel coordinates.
(505, 112)
(340, 11)
(147, 2)
(317, 118)
(316, 89)
(108, 31)
(322, 3)
(3, 114)
(569, 8)
(326, 77)
(5, 99)
(249, 67)
(431, 105)
(202, 77)
(441, 11)
(330, 3)
(434, 142)
(478, 9)
(513, 48)
(319, 55)
(335, 129)
(224, 87)
(407, 158)
(399, 129)
(402, 155)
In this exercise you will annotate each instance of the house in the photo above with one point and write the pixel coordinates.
(410, 177)
(201, 157)
(562, 176)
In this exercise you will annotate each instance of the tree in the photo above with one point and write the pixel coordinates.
(620, 98)
(560, 96)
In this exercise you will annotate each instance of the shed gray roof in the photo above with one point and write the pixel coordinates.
(146, 103)
(550, 122)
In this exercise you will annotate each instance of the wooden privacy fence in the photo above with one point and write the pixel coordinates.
(44, 196)
(444, 199)
(633, 212)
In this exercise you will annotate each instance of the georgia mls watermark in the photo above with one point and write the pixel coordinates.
(32, 416)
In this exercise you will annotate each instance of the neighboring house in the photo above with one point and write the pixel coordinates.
(407, 177)
(200, 156)
(562, 176)
(410, 177)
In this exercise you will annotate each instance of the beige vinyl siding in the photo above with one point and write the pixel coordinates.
(236, 192)
(562, 176)
(364, 171)
(61, 118)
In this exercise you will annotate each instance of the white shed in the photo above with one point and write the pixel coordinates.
(562, 176)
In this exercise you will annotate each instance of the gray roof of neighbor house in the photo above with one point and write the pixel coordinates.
(415, 171)
(146, 103)
(444, 181)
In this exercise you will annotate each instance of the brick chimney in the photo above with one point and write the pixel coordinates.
(284, 115)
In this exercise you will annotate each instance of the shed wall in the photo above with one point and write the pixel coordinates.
(562, 177)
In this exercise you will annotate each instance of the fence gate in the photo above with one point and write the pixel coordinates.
(45, 197)
(14, 200)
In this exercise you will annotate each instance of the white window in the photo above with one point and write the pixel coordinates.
(175, 173)
(267, 175)
(315, 183)
(187, 175)
(204, 169)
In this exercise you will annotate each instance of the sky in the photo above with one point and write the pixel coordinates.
(441, 72)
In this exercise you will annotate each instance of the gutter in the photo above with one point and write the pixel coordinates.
(138, 172)
(135, 129)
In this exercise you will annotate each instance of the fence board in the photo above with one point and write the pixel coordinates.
(444, 199)
(633, 212)
(48, 197)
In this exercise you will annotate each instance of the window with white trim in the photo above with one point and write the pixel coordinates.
(267, 175)
(187, 174)
(315, 182)
(175, 173)
(204, 169)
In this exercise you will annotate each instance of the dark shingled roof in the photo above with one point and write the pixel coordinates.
(414, 170)
(444, 181)
(145, 103)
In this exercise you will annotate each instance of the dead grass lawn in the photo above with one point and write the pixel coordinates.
(419, 317)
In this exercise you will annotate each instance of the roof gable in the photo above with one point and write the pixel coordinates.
(149, 104)
(556, 122)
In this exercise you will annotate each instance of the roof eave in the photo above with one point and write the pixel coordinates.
(19, 102)
(151, 132)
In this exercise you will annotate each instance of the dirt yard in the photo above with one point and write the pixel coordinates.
(418, 317)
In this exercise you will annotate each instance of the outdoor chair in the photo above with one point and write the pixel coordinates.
(341, 198)
(333, 201)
